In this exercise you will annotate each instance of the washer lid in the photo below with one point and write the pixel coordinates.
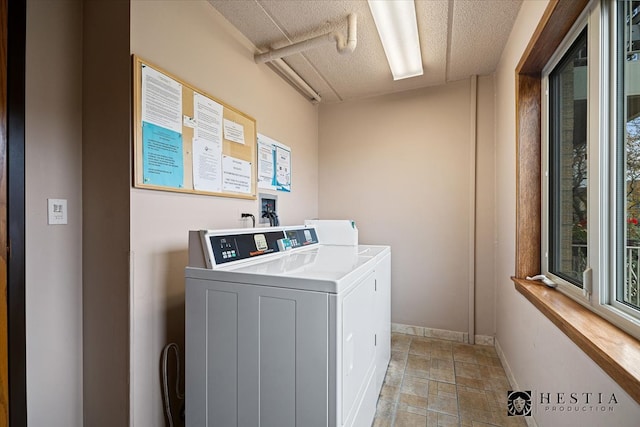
(321, 268)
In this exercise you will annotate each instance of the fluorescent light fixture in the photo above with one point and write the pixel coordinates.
(398, 29)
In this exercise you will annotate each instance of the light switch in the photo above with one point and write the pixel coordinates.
(57, 211)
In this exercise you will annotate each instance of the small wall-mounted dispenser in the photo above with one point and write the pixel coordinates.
(268, 209)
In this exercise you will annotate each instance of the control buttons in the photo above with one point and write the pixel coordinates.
(227, 249)
(228, 254)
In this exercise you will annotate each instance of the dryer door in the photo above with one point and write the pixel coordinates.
(358, 353)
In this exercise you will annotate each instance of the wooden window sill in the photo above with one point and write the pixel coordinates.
(615, 351)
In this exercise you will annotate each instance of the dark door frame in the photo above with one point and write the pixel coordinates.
(16, 51)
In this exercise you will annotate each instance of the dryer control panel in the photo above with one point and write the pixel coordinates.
(301, 237)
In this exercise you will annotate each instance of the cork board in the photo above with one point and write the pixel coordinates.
(188, 141)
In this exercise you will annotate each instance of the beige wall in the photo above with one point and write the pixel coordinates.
(53, 252)
(196, 44)
(540, 357)
(399, 166)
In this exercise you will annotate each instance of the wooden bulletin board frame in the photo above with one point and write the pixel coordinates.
(246, 152)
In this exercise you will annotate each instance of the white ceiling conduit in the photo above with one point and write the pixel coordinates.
(342, 46)
(298, 81)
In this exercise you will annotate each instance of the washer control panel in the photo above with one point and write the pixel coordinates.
(222, 248)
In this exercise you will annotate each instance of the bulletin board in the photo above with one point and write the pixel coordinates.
(188, 141)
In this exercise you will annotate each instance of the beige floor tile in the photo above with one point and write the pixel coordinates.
(468, 370)
(437, 363)
(445, 420)
(502, 419)
(496, 398)
(471, 382)
(398, 361)
(442, 354)
(464, 353)
(393, 378)
(434, 382)
(418, 374)
(412, 403)
(488, 360)
(432, 419)
(441, 344)
(472, 389)
(487, 350)
(418, 366)
(382, 422)
(485, 374)
(497, 384)
(389, 392)
(385, 409)
(437, 419)
(416, 386)
(425, 339)
(475, 400)
(418, 361)
(407, 419)
(496, 408)
(475, 415)
(400, 342)
(444, 404)
(437, 388)
(420, 347)
(444, 375)
(494, 372)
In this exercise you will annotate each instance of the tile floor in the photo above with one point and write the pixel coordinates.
(432, 382)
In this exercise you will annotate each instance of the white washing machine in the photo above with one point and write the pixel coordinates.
(284, 330)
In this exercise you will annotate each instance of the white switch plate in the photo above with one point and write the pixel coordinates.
(56, 211)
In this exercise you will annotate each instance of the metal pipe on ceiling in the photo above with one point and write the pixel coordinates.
(342, 46)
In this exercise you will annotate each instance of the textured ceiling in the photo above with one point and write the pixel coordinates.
(458, 38)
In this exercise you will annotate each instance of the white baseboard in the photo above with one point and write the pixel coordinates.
(421, 331)
(407, 329)
(531, 422)
(485, 340)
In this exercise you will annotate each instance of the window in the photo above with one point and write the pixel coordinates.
(568, 179)
(591, 163)
(627, 132)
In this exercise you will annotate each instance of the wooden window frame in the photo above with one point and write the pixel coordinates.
(615, 351)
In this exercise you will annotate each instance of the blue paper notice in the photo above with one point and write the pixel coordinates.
(162, 160)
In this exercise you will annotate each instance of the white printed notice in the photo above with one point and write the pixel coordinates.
(208, 119)
(274, 164)
(236, 175)
(233, 131)
(207, 165)
(266, 169)
(283, 169)
(161, 100)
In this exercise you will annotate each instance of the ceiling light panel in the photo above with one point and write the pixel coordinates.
(398, 30)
